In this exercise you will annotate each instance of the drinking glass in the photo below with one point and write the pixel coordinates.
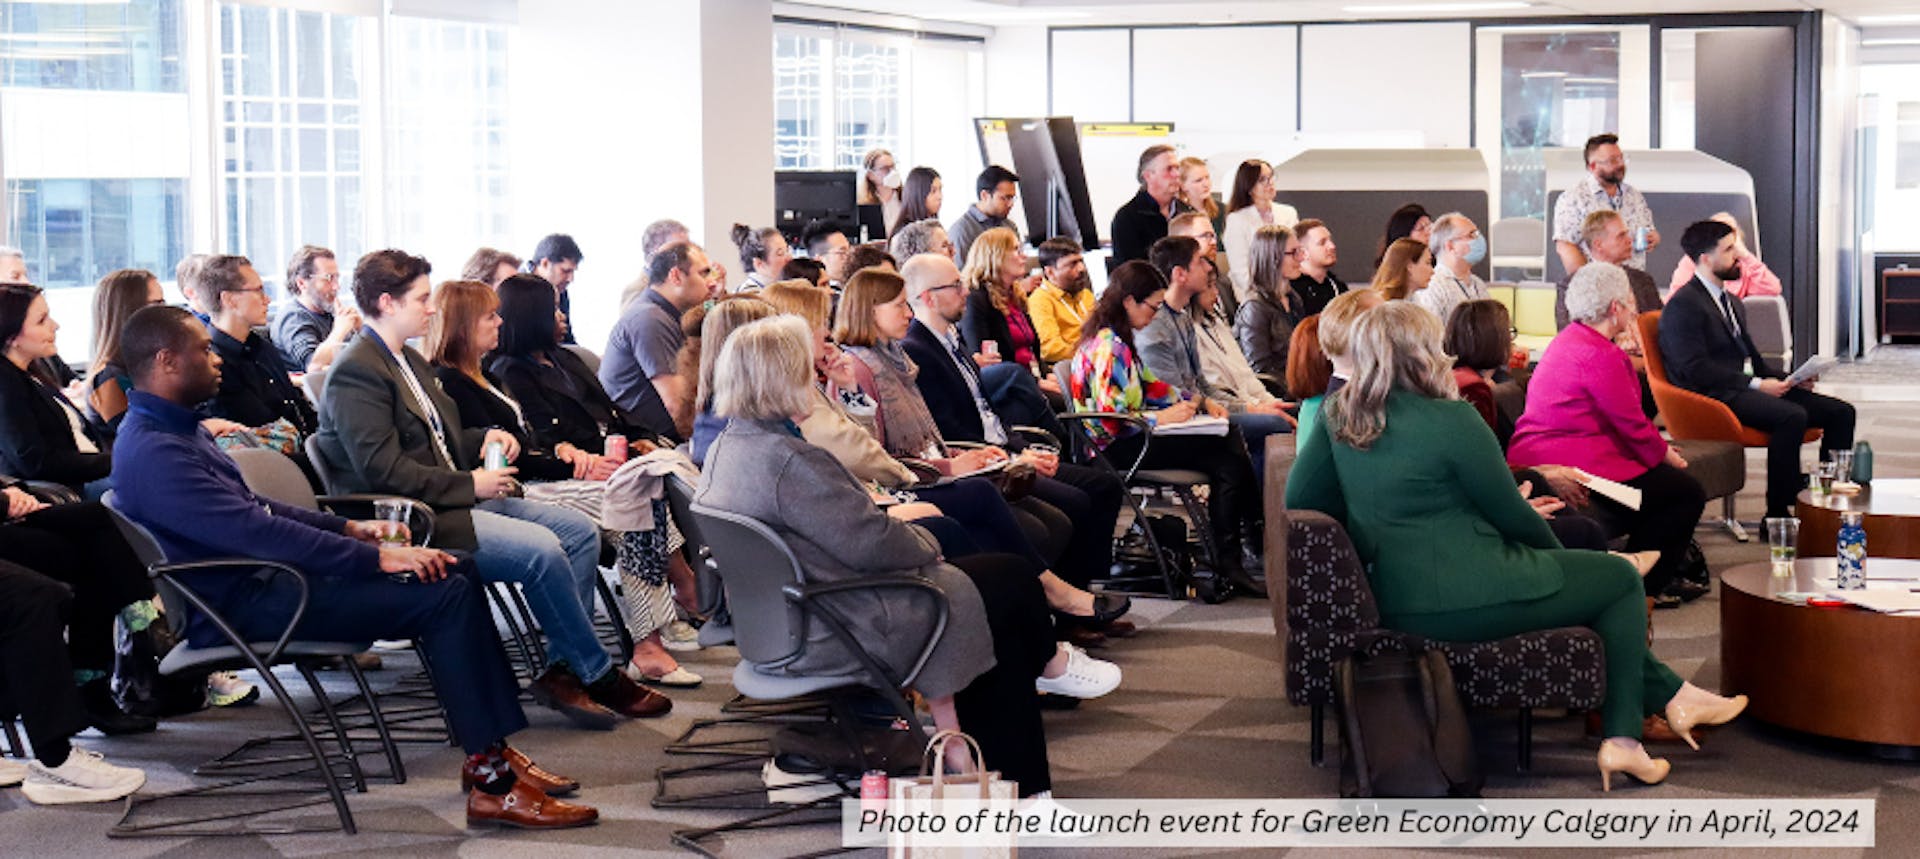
(1783, 542)
(392, 512)
(1843, 466)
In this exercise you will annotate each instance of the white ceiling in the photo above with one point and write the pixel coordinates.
(998, 13)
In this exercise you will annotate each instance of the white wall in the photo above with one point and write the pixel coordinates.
(126, 135)
(1017, 72)
(1422, 93)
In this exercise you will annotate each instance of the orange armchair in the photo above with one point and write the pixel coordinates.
(1690, 415)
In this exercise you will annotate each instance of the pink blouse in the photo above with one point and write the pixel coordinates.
(1755, 278)
(1583, 410)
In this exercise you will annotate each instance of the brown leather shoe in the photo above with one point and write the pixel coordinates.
(1120, 629)
(528, 771)
(631, 699)
(525, 807)
(1079, 636)
(562, 691)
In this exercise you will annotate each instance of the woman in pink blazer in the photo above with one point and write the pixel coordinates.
(1583, 410)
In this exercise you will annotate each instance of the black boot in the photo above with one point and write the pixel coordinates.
(96, 698)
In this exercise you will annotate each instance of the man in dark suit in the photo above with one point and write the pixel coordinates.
(386, 427)
(1143, 220)
(949, 381)
(1704, 340)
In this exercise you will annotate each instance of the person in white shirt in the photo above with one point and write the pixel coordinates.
(1250, 207)
(1457, 246)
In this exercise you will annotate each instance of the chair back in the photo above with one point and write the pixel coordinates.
(332, 476)
(1767, 325)
(147, 549)
(769, 630)
(706, 570)
(271, 475)
(586, 356)
(1329, 604)
(1688, 415)
(315, 384)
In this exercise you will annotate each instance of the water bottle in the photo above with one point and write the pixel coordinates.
(1850, 559)
(1863, 463)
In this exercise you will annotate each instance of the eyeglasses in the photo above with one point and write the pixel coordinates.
(328, 278)
(954, 285)
(1294, 252)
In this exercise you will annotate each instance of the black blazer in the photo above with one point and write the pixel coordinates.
(1138, 225)
(480, 408)
(36, 440)
(371, 429)
(565, 402)
(943, 387)
(255, 386)
(1701, 353)
(982, 322)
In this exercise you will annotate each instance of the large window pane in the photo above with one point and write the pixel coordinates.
(93, 46)
(801, 138)
(74, 231)
(448, 186)
(866, 100)
(1557, 89)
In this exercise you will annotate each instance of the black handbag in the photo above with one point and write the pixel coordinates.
(1403, 730)
(139, 687)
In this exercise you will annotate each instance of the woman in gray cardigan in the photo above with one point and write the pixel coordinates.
(997, 648)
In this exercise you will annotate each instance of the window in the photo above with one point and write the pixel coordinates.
(800, 105)
(867, 95)
(449, 188)
(291, 132)
(75, 231)
(1557, 89)
(93, 46)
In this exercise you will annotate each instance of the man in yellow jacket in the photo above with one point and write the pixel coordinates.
(1062, 303)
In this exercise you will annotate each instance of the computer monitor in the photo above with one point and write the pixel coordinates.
(803, 196)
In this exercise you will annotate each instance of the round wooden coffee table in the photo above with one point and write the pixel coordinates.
(1892, 506)
(1845, 672)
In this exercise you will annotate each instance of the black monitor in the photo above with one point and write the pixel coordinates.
(803, 196)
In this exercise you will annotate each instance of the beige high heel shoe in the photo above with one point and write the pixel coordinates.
(1642, 561)
(1635, 762)
(1684, 718)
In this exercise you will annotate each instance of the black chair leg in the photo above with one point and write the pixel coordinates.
(1526, 739)
(1317, 745)
(334, 725)
(621, 634)
(395, 769)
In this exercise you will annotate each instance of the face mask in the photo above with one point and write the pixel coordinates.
(1476, 250)
(893, 179)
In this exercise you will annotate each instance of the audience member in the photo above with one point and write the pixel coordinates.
(763, 256)
(812, 271)
(1195, 225)
(1170, 345)
(1334, 324)
(43, 436)
(1406, 269)
(1457, 247)
(1060, 305)
(184, 273)
(1604, 187)
(1250, 207)
(176, 483)
(1012, 389)
(464, 329)
(255, 388)
(1604, 235)
(13, 265)
(1479, 336)
(1708, 349)
(489, 266)
(827, 244)
(984, 666)
(1454, 553)
(1316, 283)
(556, 259)
(1143, 220)
(995, 190)
(661, 233)
(924, 236)
(869, 255)
(998, 287)
(313, 323)
(1196, 191)
(118, 296)
(386, 429)
(1107, 376)
(1309, 373)
(880, 186)
(13, 269)
(36, 675)
(920, 199)
(638, 369)
(1264, 323)
(1410, 221)
(1583, 411)
(1755, 278)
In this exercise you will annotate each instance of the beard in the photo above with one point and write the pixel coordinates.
(1076, 285)
(1614, 176)
(1729, 273)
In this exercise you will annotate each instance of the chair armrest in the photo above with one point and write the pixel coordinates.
(808, 598)
(1136, 421)
(1035, 435)
(168, 575)
(420, 516)
(50, 492)
(1694, 416)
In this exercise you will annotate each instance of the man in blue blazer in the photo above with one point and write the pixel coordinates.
(1705, 342)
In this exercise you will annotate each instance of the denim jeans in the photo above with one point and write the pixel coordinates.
(553, 554)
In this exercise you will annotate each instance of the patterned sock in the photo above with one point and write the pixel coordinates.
(490, 770)
(137, 616)
(83, 676)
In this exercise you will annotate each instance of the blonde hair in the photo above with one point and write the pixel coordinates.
(984, 258)
(765, 370)
(1339, 314)
(1207, 206)
(801, 299)
(1391, 278)
(721, 321)
(1395, 346)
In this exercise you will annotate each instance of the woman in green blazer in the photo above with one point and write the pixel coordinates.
(1453, 552)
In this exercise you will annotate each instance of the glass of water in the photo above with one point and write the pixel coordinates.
(1843, 466)
(392, 514)
(1783, 543)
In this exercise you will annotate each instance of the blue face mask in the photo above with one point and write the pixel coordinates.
(1476, 250)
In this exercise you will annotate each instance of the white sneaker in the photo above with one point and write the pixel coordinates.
(1085, 677)
(85, 777)
(12, 771)
(226, 689)
(680, 635)
(394, 644)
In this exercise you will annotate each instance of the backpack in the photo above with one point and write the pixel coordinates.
(1403, 731)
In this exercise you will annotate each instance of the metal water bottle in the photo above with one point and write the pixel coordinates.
(1850, 557)
(1862, 463)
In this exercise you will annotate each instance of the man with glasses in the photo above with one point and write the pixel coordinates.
(314, 323)
(1604, 187)
(255, 388)
(995, 189)
(1457, 245)
(640, 369)
(827, 243)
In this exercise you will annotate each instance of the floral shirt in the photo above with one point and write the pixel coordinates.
(1586, 197)
(1108, 377)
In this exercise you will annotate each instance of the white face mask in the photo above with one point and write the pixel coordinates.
(893, 179)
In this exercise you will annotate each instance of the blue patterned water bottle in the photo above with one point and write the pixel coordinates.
(1851, 557)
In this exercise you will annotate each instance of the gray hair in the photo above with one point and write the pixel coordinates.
(913, 239)
(1446, 228)
(1394, 346)
(9, 251)
(661, 233)
(1594, 289)
(766, 370)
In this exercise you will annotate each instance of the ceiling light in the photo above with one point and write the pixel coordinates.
(1887, 43)
(1543, 74)
(1889, 19)
(1491, 6)
(1593, 80)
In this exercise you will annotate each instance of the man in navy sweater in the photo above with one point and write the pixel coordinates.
(175, 481)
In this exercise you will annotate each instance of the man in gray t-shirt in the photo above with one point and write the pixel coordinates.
(640, 364)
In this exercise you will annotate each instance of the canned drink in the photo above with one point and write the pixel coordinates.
(1640, 239)
(873, 789)
(617, 448)
(496, 455)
